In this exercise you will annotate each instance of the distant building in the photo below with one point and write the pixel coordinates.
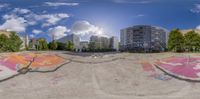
(32, 43)
(114, 43)
(143, 37)
(100, 42)
(84, 45)
(25, 39)
(72, 38)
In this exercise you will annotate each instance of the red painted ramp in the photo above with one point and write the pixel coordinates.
(187, 68)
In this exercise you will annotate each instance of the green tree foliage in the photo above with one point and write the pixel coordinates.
(42, 44)
(176, 41)
(91, 46)
(53, 45)
(69, 46)
(98, 46)
(61, 46)
(192, 41)
(14, 42)
(3, 43)
(10, 44)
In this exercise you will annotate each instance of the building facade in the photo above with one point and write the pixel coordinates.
(114, 43)
(84, 45)
(72, 38)
(25, 40)
(32, 44)
(100, 42)
(143, 38)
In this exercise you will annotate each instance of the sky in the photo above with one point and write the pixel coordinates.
(59, 18)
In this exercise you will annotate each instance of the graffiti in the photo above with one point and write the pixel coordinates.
(13, 64)
(150, 69)
(187, 68)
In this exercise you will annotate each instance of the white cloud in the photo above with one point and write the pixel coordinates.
(198, 27)
(58, 32)
(19, 19)
(21, 11)
(36, 31)
(14, 23)
(85, 28)
(50, 19)
(196, 9)
(7, 16)
(55, 4)
(33, 18)
(3, 5)
(133, 1)
(31, 22)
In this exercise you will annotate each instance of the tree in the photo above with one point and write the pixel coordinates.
(53, 45)
(192, 41)
(98, 46)
(69, 46)
(91, 46)
(3, 43)
(61, 46)
(11, 43)
(14, 43)
(42, 44)
(176, 41)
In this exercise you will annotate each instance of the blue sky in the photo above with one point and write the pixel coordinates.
(44, 18)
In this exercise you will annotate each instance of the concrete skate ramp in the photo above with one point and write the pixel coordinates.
(13, 64)
(186, 68)
(99, 78)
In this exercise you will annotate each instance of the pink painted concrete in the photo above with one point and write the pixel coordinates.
(149, 68)
(11, 63)
(180, 66)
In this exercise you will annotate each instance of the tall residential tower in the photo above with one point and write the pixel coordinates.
(143, 37)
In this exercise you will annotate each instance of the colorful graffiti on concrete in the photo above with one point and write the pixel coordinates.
(187, 68)
(11, 64)
(150, 69)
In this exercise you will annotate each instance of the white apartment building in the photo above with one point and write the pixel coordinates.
(143, 37)
(75, 39)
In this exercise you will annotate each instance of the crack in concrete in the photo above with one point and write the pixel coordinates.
(28, 68)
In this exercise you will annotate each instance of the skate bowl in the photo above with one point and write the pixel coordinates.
(185, 68)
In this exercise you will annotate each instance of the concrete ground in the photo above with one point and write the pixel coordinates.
(100, 76)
